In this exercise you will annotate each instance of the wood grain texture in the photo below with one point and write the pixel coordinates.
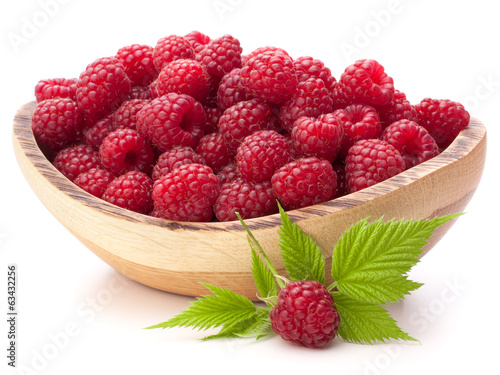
(176, 256)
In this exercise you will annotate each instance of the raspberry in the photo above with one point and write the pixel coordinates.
(360, 121)
(442, 118)
(305, 314)
(198, 40)
(184, 76)
(94, 135)
(261, 153)
(249, 199)
(94, 181)
(371, 161)
(243, 119)
(342, 188)
(307, 67)
(132, 191)
(126, 115)
(137, 59)
(170, 48)
(140, 92)
(221, 55)
(320, 137)
(174, 158)
(212, 115)
(397, 109)
(229, 173)
(56, 122)
(187, 193)
(102, 87)
(56, 88)
(172, 119)
(125, 150)
(366, 82)
(412, 140)
(269, 76)
(304, 182)
(261, 50)
(311, 98)
(230, 91)
(213, 149)
(153, 92)
(77, 159)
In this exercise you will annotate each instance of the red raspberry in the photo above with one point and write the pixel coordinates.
(320, 137)
(125, 150)
(221, 55)
(249, 199)
(132, 191)
(245, 118)
(102, 87)
(94, 135)
(215, 152)
(304, 182)
(366, 82)
(56, 122)
(342, 188)
(412, 140)
(56, 88)
(311, 98)
(140, 92)
(269, 76)
(229, 173)
(126, 115)
(307, 67)
(443, 119)
(198, 40)
(371, 161)
(184, 76)
(77, 159)
(137, 59)
(172, 119)
(187, 193)
(305, 314)
(213, 115)
(360, 121)
(94, 181)
(261, 50)
(397, 109)
(261, 153)
(230, 91)
(174, 158)
(153, 92)
(170, 48)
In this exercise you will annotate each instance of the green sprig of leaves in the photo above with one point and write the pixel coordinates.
(370, 265)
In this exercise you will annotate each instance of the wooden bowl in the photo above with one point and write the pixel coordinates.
(176, 256)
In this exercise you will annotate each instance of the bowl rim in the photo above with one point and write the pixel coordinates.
(460, 147)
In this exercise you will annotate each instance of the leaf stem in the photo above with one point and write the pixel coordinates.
(266, 259)
(332, 286)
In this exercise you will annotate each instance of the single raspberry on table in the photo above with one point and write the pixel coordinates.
(307, 67)
(311, 98)
(170, 48)
(245, 118)
(56, 88)
(174, 158)
(215, 152)
(261, 153)
(137, 59)
(94, 181)
(366, 82)
(187, 193)
(304, 182)
(220, 56)
(230, 91)
(126, 115)
(305, 314)
(184, 76)
(172, 119)
(320, 137)
(249, 199)
(413, 141)
(443, 119)
(56, 122)
(102, 87)
(397, 109)
(132, 191)
(269, 76)
(360, 121)
(77, 159)
(125, 150)
(371, 161)
(197, 39)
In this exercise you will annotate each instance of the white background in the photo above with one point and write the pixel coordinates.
(79, 316)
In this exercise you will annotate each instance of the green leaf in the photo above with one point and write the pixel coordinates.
(365, 322)
(263, 277)
(223, 308)
(260, 328)
(251, 327)
(370, 260)
(302, 258)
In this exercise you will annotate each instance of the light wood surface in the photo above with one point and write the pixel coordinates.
(177, 256)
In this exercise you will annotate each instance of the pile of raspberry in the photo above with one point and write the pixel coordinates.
(193, 129)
